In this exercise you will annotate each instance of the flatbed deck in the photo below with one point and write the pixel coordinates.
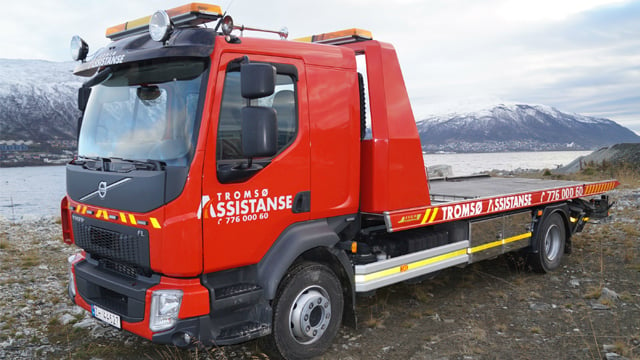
(463, 188)
(475, 196)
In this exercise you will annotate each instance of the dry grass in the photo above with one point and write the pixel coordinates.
(4, 241)
(29, 259)
(628, 175)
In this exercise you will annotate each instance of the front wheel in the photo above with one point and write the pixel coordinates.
(551, 240)
(307, 312)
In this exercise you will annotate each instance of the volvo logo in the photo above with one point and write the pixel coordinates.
(102, 189)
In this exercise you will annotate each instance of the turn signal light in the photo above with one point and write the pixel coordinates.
(339, 37)
(191, 14)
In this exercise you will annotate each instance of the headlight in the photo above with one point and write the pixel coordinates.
(160, 26)
(165, 306)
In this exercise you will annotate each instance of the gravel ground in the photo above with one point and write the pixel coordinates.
(588, 309)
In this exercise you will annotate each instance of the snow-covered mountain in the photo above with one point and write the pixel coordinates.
(38, 100)
(520, 127)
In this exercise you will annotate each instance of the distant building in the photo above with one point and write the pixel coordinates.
(21, 147)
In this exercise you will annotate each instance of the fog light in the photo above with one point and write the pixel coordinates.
(160, 26)
(165, 306)
(182, 339)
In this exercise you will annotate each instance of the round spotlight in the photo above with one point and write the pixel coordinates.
(79, 48)
(160, 26)
(227, 25)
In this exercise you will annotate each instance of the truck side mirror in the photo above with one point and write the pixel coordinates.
(83, 97)
(259, 132)
(257, 80)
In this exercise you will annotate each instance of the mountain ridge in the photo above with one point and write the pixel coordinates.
(38, 103)
(38, 100)
(520, 127)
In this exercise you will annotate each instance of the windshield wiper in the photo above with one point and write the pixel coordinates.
(90, 162)
(116, 164)
(140, 165)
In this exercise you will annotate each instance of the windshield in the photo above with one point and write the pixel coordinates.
(144, 112)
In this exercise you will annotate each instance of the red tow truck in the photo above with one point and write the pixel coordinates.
(224, 188)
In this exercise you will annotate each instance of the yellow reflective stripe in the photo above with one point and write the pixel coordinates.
(429, 261)
(485, 246)
(517, 238)
(426, 216)
(377, 275)
(493, 244)
(433, 216)
(155, 223)
(429, 216)
(132, 219)
(103, 214)
(414, 265)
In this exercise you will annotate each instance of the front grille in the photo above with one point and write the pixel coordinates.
(117, 243)
(122, 269)
(113, 301)
(119, 294)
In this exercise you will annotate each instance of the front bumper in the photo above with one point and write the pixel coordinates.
(130, 298)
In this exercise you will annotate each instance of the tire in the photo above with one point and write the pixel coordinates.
(307, 313)
(550, 245)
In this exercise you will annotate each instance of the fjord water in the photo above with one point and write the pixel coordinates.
(473, 163)
(33, 192)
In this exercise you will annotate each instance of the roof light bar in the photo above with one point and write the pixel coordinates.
(339, 37)
(191, 14)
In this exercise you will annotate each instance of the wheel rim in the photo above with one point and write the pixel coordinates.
(552, 241)
(310, 314)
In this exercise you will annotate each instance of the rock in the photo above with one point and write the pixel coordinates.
(607, 294)
(539, 307)
(6, 343)
(438, 171)
(85, 323)
(599, 306)
(616, 154)
(66, 318)
(614, 356)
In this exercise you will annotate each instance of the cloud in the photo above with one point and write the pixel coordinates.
(577, 55)
(586, 63)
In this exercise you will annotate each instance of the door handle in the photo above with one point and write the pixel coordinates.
(302, 202)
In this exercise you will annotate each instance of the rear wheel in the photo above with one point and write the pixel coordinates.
(307, 312)
(550, 245)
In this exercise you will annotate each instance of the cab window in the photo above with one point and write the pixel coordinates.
(283, 101)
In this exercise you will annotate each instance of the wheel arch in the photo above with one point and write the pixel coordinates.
(310, 241)
(561, 209)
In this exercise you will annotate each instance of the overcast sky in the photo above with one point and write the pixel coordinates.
(576, 55)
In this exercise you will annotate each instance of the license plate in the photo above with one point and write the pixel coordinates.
(106, 316)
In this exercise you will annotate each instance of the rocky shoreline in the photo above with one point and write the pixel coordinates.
(588, 309)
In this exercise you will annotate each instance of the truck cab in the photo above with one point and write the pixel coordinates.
(187, 226)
